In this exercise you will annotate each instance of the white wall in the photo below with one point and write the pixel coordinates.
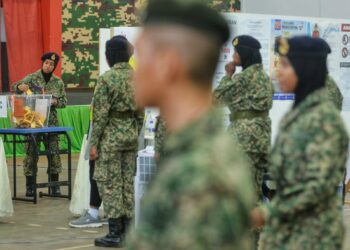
(307, 8)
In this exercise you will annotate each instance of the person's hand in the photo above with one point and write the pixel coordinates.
(93, 153)
(230, 69)
(23, 87)
(257, 218)
(54, 101)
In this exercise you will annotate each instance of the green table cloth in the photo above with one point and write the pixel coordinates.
(71, 116)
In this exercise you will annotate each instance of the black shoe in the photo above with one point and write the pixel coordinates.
(29, 186)
(126, 223)
(55, 190)
(114, 237)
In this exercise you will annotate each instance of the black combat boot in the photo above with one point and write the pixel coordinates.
(29, 186)
(126, 223)
(114, 237)
(55, 190)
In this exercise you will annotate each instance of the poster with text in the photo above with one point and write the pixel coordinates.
(330, 32)
(256, 26)
(284, 28)
(344, 74)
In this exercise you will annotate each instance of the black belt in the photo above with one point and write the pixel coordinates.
(249, 114)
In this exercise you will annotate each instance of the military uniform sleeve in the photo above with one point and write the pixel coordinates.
(100, 106)
(61, 96)
(334, 93)
(159, 135)
(229, 89)
(140, 116)
(320, 178)
(26, 80)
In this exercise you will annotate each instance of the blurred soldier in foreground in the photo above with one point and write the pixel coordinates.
(203, 191)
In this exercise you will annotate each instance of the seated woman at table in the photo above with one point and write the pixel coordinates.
(39, 82)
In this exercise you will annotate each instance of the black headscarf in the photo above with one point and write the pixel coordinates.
(53, 57)
(248, 49)
(308, 57)
(118, 49)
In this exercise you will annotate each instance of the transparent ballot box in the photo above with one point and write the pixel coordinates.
(29, 111)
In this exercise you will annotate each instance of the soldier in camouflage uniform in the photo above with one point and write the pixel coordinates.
(43, 81)
(308, 158)
(159, 138)
(248, 95)
(202, 193)
(114, 141)
(334, 92)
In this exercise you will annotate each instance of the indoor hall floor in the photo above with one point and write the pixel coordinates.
(44, 226)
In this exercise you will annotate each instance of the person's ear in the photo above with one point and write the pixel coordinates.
(170, 66)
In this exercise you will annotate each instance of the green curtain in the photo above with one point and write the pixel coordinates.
(76, 117)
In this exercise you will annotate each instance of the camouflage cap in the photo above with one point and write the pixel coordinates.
(192, 14)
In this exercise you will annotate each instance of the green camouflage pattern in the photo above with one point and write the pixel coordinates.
(31, 157)
(116, 127)
(160, 136)
(308, 163)
(116, 121)
(81, 21)
(334, 93)
(201, 197)
(117, 191)
(55, 87)
(250, 90)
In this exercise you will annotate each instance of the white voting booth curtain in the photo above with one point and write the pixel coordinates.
(81, 189)
(6, 207)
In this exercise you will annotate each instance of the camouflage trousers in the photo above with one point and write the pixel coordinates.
(259, 164)
(115, 181)
(31, 158)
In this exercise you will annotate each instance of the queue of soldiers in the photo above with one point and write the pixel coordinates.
(208, 190)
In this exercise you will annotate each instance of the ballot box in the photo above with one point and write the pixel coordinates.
(29, 111)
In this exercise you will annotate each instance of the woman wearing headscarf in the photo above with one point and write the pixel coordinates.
(116, 125)
(39, 82)
(308, 158)
(248, 95)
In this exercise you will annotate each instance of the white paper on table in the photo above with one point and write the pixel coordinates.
(41, 106)
(3, 106)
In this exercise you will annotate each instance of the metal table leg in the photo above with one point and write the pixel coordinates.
(14, 166)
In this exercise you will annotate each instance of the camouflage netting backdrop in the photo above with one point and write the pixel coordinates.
(81, 21)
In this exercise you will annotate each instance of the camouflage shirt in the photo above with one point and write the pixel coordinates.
(160, 134)
(334, 93)
(55, 87)
(308, 163)
(116, 121)
(252, 91)
(201, 198)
